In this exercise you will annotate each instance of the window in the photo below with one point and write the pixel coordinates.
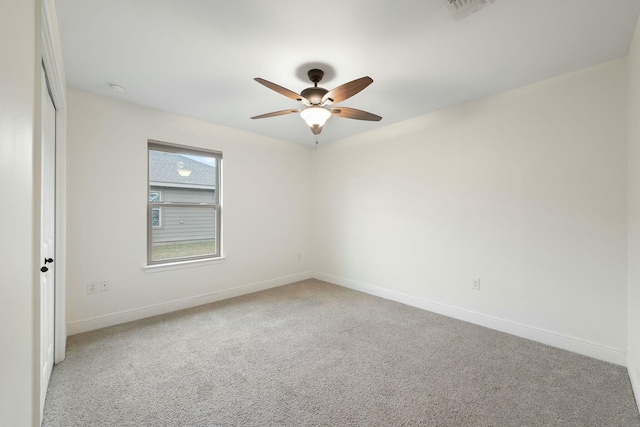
(184, 210)
(156, 213)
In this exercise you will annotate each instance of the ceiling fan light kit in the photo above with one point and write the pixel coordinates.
(315, 116)
(317, 98)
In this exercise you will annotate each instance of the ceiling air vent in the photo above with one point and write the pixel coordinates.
(463, 8)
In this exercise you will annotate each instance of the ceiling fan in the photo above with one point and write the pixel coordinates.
(317, 98)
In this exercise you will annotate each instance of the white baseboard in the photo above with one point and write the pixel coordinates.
(98, 322)
(634, 376)
(576, 345)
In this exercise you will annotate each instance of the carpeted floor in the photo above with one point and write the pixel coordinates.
(315, 354)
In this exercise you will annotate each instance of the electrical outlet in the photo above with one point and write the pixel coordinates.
(475, 284)
(104, 286)
(93, 287)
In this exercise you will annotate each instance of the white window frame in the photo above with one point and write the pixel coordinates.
(153, 145)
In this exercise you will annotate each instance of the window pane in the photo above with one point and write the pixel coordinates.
(154, 196)
(183, 177)
(185, 232)
(155, 217)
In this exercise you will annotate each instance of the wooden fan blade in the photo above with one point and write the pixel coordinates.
(352, 113)
(281, 90)
(316, 130)
(275, 113)
(346, 91)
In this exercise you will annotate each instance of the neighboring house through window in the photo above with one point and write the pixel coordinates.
(184, 209)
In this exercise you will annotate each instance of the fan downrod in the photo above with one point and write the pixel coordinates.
(314, 94)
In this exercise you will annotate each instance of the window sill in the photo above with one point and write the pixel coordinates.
(182, 264)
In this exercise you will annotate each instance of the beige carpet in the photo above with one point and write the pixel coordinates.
(315, 354)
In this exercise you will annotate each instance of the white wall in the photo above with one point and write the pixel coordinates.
(266, 212)
(633, 261)
(525, 190)
(18, 331)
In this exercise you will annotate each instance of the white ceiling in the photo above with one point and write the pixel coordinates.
(198, 58)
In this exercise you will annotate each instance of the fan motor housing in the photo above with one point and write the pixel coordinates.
(314, 94)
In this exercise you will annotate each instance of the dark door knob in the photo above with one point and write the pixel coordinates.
(44, 269)
(46, 260)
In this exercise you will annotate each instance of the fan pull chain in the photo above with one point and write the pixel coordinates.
(316, 147)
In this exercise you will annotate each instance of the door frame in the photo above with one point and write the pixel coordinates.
(47, 237)
(53, 65)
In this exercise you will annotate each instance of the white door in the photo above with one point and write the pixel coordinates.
(47, 255)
